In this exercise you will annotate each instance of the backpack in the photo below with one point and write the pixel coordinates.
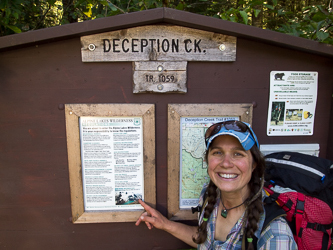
(303, 186)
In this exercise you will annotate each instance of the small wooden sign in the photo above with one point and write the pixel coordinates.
(158, 43)
(160, 77)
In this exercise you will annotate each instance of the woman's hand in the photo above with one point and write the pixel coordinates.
(152, 218)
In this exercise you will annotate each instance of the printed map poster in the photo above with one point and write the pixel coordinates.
(292, 103)
(112, 162)
(193, 167)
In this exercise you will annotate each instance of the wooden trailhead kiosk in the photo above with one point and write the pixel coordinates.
(99, 114)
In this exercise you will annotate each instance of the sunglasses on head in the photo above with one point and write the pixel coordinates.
(234, 125)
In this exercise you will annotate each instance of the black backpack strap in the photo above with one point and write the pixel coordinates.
(200, 208)
(322, 228)
(272, 211)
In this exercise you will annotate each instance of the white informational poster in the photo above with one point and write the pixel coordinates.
(193, 167)
(112, 162)
(292, 103)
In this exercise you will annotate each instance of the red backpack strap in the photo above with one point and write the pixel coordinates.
(299, 211)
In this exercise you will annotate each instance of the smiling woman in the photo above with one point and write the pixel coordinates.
(232, 214)
(230, 168)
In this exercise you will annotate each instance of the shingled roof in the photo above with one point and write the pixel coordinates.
(165, 16)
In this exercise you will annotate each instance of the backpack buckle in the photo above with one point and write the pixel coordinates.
(316, 227)
(196, 209)
(299, 207)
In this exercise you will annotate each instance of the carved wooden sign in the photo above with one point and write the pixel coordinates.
(163, 77)
(153, 47)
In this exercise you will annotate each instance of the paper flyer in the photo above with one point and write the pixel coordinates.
(112, 162)
(292, 103)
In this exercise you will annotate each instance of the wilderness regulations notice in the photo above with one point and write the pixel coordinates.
(112, 162)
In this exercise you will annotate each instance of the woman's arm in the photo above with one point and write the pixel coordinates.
(153, 218)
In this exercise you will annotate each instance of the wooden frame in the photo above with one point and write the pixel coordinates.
(72, 113)
(175, 112)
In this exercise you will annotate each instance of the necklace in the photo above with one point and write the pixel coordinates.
(224, 211)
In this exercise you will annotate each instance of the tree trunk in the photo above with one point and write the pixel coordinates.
(257, 21)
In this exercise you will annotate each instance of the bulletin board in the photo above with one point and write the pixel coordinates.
(111, 160)
(186, 127)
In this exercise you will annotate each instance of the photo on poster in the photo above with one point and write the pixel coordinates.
(277, 114)
(307, 115)
(294, 114)
(127, 198)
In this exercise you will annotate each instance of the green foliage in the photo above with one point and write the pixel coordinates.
(10, 12)
(23, 15)
(313, 22)
(17, 16)
(308, 19)
(311, 19)
(92, 9)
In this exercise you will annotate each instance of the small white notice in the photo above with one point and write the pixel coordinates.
(292, 103)
(112, 162)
